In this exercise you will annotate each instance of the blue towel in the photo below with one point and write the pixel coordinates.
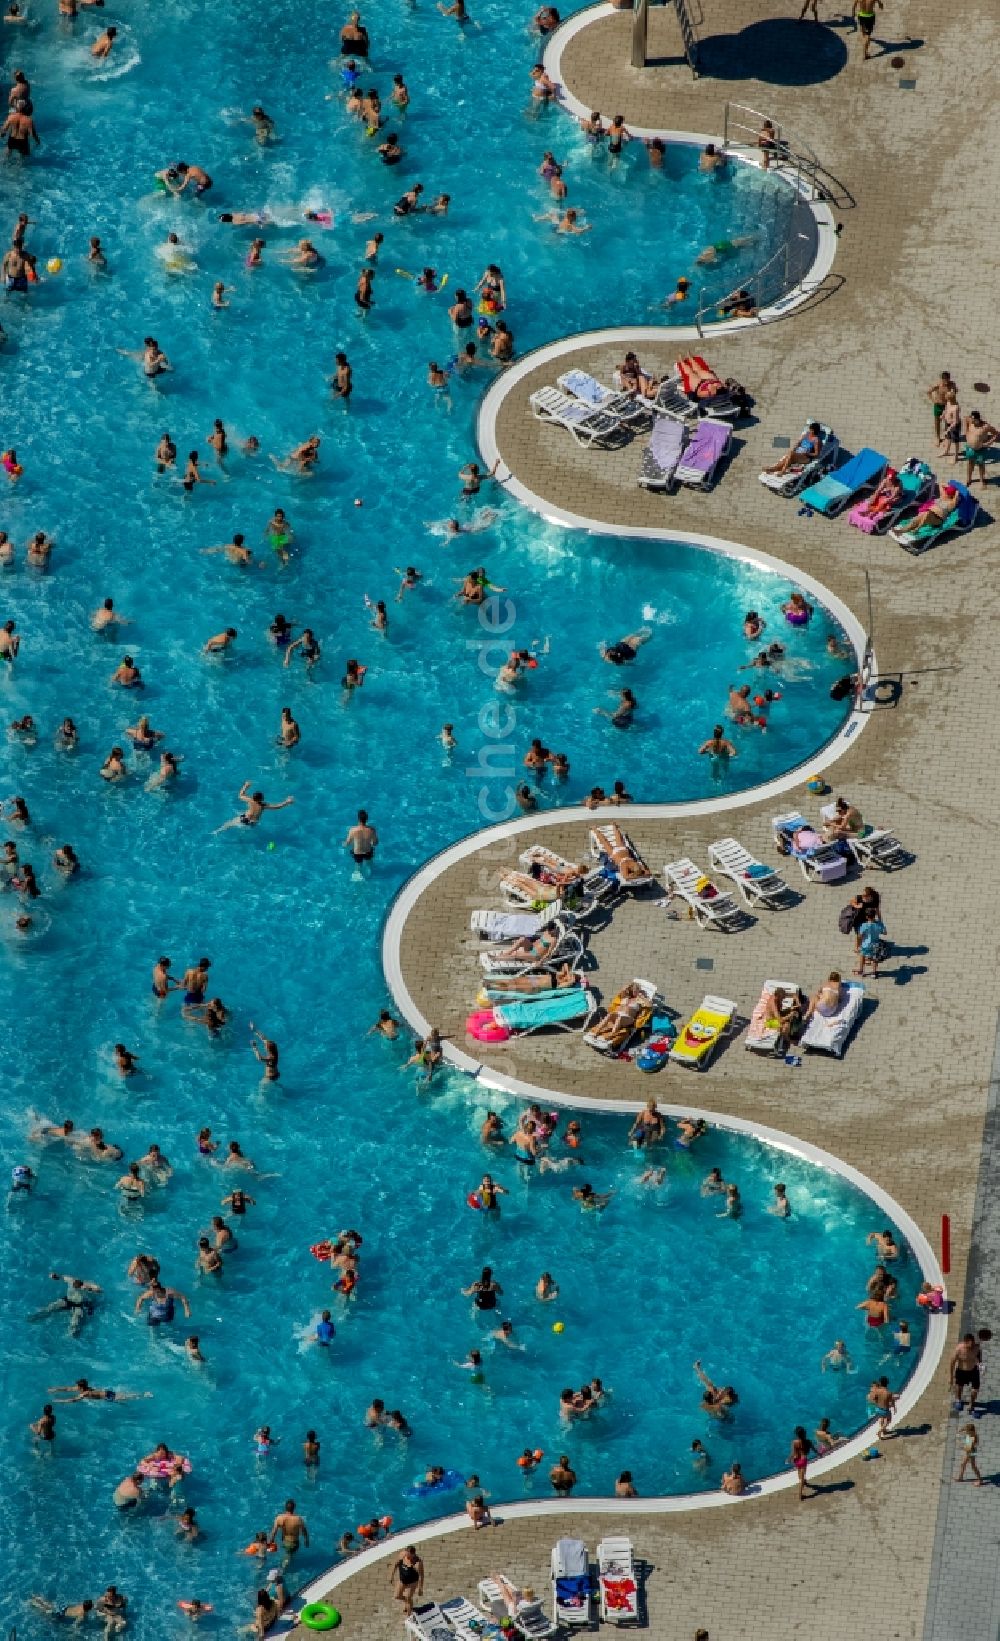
(863, 469)
(547, 1010)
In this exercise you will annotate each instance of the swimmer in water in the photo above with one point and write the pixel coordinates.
(590, 1200)
(101, 47)
(82, 1391)
(568, 222)
(255, 808)
(266, 1053)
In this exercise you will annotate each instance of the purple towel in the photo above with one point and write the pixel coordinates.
(665, 442)
(708, 442)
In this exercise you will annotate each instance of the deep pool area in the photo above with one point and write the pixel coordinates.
(345, 1138)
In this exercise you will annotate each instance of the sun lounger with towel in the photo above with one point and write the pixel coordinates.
(500, 926)
(876, 515)
(609, 844)
(566, 1009)
(617, 1588)
(819, 862)
(629, 1011)
(625, 406)
(762, 1032)
(428, 1623)
(501, 1597)
(551, 947)
(708, 392)
(962, 517)
(837, 490)
(707, 904)
(468, 1622)
(828, 1033)
(544, 865)
(571, 1591)
(709, 443)
(759, 885)
(587, 426)
(698, 1040)
(661, 455)
(795, 479)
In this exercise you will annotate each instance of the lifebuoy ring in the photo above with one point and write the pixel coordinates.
(319, 1615)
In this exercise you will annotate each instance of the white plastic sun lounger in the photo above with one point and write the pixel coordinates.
(468, 1622)
(878, 847)
(760, 1037)
(595, 883)
(428, 1623)
(602, 847)
(587, 426)
(616, 1582)
(796, 479)
(712, 909)
(705, 450)
(568, 948)
(625, 406)
(759, 885)
(527, 1616)
(500, 926)
(571, 1588)
(828, 1033)
(820, 862)
(671, 400)
(570, 1010)
(604, 1044)
(661, 455)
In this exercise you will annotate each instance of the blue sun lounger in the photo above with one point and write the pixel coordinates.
(834, 492)
(962, 517)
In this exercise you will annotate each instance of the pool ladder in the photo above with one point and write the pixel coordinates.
(689, 15)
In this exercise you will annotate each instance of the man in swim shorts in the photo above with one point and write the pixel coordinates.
(963, 1371)
(362, 840)
(863, 12)
(292, 1528)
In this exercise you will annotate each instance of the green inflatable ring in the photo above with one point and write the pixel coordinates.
(319, 1615)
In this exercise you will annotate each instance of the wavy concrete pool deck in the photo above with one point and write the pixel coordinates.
(888, 1552)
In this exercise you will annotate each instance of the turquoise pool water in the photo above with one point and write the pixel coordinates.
(349, 1141)
(346, 1138)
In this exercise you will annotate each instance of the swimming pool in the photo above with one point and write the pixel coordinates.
(290, 933)
(760, 1302)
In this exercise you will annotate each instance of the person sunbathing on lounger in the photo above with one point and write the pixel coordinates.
(700, 380)
(626, 1009)
(531, 948)
(636, 380)
(624, 858)
(529, 985)
(828, 999)
(846, 822)
(933, 513)
(513, 1598)
(806, 450)
(889, 494)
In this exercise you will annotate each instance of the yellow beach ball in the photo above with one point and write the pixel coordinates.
(54, 264)
(558, 1327)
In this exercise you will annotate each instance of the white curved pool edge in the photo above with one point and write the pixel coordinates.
(826, 231)
(523, 1509)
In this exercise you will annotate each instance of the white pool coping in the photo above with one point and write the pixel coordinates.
(826, 228)
(522, 1509)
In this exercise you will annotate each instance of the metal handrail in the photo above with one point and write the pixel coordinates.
(753, 285)
(789, 150)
